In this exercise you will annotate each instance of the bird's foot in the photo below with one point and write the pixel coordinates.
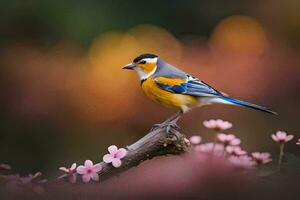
(169, 126)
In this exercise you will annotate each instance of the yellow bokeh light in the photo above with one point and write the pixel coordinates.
(154, 39)
(108, 88)
(242, 34)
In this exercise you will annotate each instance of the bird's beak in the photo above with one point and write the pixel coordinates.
(129, 66)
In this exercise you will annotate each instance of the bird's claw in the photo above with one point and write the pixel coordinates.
(169, 126)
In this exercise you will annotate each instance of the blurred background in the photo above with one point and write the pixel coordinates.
(65, 97)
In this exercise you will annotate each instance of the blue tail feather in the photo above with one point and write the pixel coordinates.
(249, 105)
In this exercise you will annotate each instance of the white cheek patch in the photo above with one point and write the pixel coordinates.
(141, 73)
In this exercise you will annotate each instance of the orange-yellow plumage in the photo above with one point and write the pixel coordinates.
(170, 81)
(148, 67)
(166, 98)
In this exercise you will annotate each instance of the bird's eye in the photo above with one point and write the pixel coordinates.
(142, 62)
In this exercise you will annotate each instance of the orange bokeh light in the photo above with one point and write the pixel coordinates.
(239, 33)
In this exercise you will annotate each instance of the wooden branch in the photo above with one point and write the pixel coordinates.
(155, 143)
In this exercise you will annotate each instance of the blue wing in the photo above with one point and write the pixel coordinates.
(191, 86)
(195, 87)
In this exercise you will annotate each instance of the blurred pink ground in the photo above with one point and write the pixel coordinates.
(175, 177)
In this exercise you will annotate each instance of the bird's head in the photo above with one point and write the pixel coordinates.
(145, 65)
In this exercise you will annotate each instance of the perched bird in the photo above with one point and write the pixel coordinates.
(174, 88)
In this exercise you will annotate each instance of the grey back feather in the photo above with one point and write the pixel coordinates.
(192, 86)
(166, 70)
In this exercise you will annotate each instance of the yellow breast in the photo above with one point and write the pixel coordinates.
(177, 101)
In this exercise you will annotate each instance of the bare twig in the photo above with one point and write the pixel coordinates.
(155, 143)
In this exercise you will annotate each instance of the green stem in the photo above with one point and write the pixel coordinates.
(215, 142)
(280, 156)
(224, 151)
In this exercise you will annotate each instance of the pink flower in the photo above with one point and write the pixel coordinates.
(217, 124)
(70, 172)
(186, 140)
(195, 139)
(235, 151)
(241, 162)
(33, 178)
(282, 137)
(115, 155)
(32, 182)
(216, 149)
(4, 166)
(298, 143)
(89, 171)
(228, 139)
(261, 158)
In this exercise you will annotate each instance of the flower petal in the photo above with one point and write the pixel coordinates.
(95, 176)
(121, 153)
(235, 142)
(221, 137)
(208, 124)
(116, 163)
(107, 158)
(230, 137)
(112, 149)
(63, 169)
(255, 154)
(195, 139)
(73, 166)
(289, 137)
(86, 178)
(274, 137)
(97, 167)
(88, 163)
(80, 169)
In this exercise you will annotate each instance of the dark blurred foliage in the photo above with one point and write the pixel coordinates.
(82, 21)
(65, 97)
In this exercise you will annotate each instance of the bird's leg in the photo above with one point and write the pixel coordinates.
(173, 122)
(169, 123)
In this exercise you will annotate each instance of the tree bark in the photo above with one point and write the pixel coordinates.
(155, 143)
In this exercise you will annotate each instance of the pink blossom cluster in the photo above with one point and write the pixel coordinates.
(4, 166)
(215, 149)
(241, 162)
(90, 171)
(114, 156)
(261, 158)
(235, 151)
(282, 137)
(70, 172)
(228, 145)
(195, 139)
(30, 184)
(228, 139)
(217, 125)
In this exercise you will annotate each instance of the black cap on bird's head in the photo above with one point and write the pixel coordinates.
(143, 56)
(145, 65)
(140, 60)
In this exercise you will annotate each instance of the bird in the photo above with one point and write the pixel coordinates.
(177, 89)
